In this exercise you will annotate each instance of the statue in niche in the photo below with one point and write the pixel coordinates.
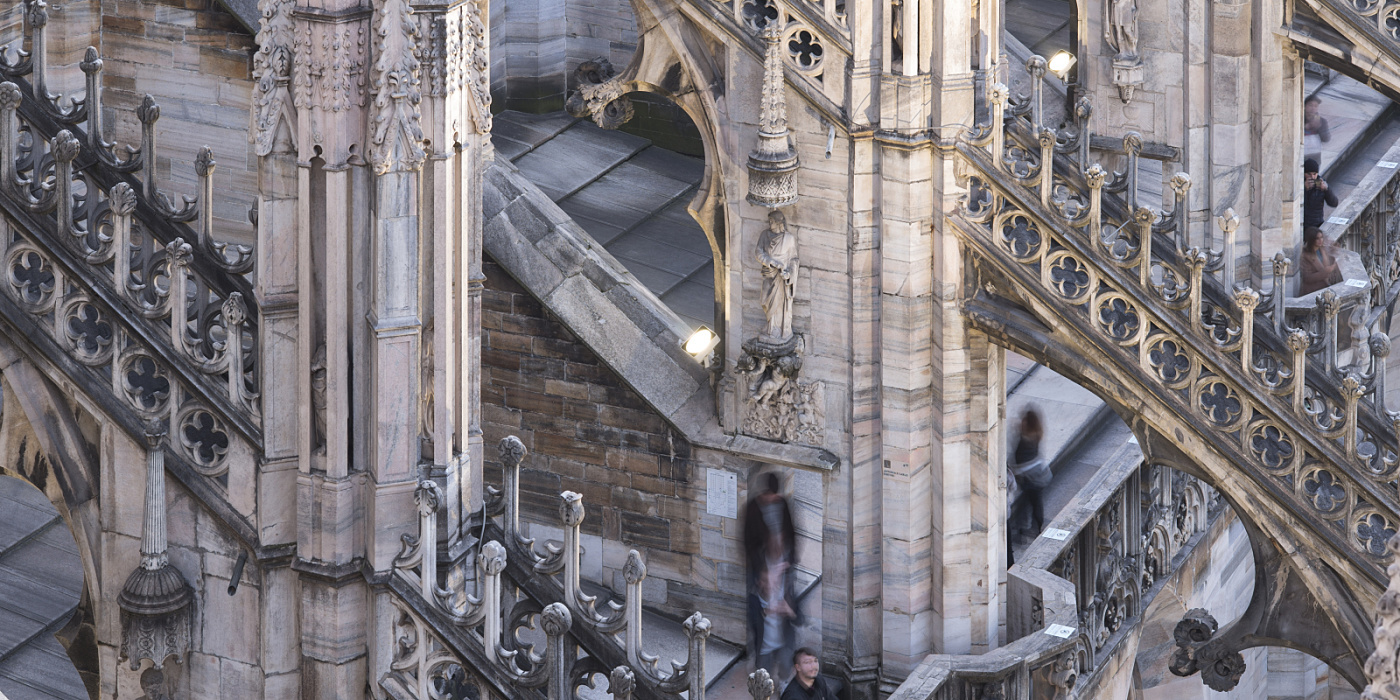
(153, 685)
(318, 399)
(777, 254)
(897, 31)
(1123, 28)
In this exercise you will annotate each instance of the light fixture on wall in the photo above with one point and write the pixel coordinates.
(701, 343)
(1060, 64)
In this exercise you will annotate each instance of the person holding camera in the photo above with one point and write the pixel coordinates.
(1315, 194)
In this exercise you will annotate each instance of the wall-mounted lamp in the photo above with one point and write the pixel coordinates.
(1060, 64)
(701, 343)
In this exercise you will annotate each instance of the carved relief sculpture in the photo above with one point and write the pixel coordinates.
(396, 129)
(1121, 31)
(272, 73)
(1383, 666)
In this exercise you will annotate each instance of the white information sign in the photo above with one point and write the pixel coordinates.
(1388, 164)
(721, 493)
(1061, 631)
(1338, 220)
(1356, 283)
(1055, 533)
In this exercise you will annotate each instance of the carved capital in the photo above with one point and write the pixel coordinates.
(64, 146)
(1095, 176)
(1246, 299)
(556, 620)
(428, 496)
(148, 111)
(10, 96)
(122, 199)
(697, 625)
(635, 569)
(760, 685)
(493, 557)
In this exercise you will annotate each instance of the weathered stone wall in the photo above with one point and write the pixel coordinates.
(196, 61)
(643, 485)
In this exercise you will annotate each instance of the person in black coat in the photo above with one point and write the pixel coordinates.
(809, 683)
(770, 553)
(1315, 194)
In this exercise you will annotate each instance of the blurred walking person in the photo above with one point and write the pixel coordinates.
(769, 547)
(1031, 469)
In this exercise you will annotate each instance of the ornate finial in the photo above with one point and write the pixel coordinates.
(204, 162)
(39, 14)
(91, 62)
(512, 451)
(235, 312)
(1046, 136)
(1095, 176)
(428, 496)
(1083, 109)
(1132, 143)
(760, 685)
(1180, 184)
(556, 620)
(64, 146)
(571, 508)
(1229, 223)
(773, 110)
(1035, 65)
(396, 129)
(1246, 298)
(122, 199)
(179, 252)
(1380, 345)
(10, 95)
(155, 432)
(773, 162)
(1144, 216)
(148, 112)
(622, 683)
(1281, 264)
(696, 625)
(1328, 303)
(493, 557)
(1298, 340)
(1352, 388)
(635, 569)
(997, 94)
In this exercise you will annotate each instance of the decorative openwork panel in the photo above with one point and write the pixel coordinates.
(815, 38)
(110, 353)
(99, 219)
(495, 611)
(1271, 398)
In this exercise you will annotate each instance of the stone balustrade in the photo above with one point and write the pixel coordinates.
(581, 641)
(102, 266)
(1276, 398)
(1080, 587)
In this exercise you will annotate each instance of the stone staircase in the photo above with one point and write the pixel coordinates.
(629, 195)
(41, 581)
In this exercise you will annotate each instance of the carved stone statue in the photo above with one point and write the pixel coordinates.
(777, 254)
(153, 685)
(1122, 29)
(318, 399)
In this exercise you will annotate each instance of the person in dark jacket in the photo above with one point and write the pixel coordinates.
(1315, 194)
(769, 537)
(809, 683)
(1032, 471)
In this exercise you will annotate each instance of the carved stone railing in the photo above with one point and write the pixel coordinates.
(485, 611)
(121, 251)
(1270, 397)
(1080, 588)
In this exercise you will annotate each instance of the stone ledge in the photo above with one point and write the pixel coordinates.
(614, 315)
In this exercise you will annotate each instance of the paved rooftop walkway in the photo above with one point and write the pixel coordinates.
(41, 579)
(628, 194)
